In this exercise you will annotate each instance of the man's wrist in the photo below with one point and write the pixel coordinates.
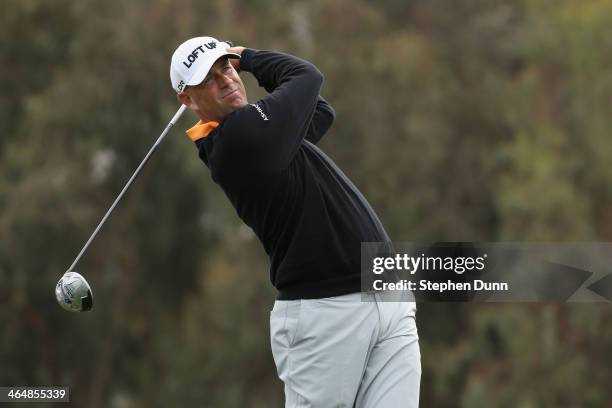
(245, 59)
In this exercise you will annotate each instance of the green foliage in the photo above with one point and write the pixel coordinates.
(474, 120)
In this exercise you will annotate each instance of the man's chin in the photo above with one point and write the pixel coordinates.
(236, 104)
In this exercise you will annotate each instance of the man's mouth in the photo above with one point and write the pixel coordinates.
(230, 93)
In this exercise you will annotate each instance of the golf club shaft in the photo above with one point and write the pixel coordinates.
(174, 119)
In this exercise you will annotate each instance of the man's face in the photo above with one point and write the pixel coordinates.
(219, 94)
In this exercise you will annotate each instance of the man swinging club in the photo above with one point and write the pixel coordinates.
(331, 347)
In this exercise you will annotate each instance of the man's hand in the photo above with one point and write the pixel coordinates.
(234, 61)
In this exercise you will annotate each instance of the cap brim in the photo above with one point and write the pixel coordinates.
(199, 76)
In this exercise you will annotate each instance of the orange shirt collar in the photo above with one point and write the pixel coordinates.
(201, 130)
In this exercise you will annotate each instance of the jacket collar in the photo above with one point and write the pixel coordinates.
(201, 130)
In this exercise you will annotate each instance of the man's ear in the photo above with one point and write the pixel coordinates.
(185, 100)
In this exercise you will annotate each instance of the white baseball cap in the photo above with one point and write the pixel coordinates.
(193, 59)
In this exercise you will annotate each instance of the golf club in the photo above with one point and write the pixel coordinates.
(72, 291)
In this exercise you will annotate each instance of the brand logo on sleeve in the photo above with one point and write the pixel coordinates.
(195, 53)
(261, 112)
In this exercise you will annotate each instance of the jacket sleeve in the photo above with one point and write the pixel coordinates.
(267, 134)
(323, 117)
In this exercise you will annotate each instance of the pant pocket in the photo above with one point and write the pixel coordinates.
(284, 322)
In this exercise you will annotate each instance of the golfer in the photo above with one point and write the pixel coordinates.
(333, 345)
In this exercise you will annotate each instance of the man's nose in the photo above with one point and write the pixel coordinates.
(223, 80)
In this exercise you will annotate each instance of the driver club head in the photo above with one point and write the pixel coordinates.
(73, 293)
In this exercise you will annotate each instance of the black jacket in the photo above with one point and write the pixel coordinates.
(308, 215)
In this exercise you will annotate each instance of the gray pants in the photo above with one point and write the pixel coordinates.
(346, 351)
